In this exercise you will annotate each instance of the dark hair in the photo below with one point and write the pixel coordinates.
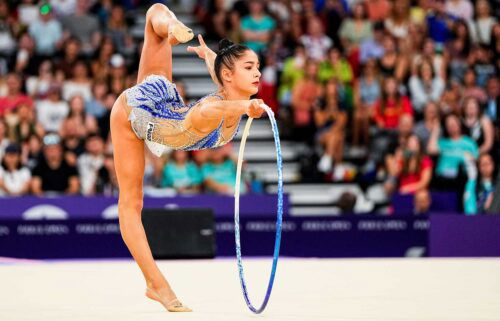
(19, 162)
(419, 157)
(226, 56)
(384, 97)
(424, 62)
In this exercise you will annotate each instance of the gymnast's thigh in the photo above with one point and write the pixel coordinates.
(128, 152)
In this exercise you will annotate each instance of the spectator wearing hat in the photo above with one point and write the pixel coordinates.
(14, 177)
(53, 175)
(46, 31)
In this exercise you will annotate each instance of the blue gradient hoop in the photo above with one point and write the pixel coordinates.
(279, 218)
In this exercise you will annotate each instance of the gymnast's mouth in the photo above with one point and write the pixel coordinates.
(256, 83)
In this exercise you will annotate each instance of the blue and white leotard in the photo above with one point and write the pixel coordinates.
(157, 116)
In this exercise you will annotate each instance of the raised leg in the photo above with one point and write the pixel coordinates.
(129, 162)
(162, 31)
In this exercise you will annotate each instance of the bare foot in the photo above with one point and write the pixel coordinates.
(178, 32)
(172, 305)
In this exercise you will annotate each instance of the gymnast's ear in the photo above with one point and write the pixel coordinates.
(226, 74)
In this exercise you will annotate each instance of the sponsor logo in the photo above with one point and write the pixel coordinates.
(44, 229)
(45, 211)
(311, 226)
(149, 132)
(98, 228)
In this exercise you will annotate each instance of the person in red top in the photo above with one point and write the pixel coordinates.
(390, 107)
(14, 96)
(409, 167)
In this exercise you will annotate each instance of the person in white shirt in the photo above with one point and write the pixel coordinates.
(425, 86)
(80, 84)
(14, 177)
(315, 41)
(460, 8)
(38, 86)
(89, 164)
(52, 112)
(27, 12)
(47, 32)
(480, 28)
(64, 7)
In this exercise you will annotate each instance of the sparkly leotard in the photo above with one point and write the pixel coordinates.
(157, 113)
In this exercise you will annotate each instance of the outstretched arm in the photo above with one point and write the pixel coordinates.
(206, 115)
(209, 55)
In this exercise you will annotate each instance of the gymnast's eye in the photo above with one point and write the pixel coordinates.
(248, 68)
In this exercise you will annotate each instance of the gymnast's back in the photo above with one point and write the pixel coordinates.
(157, 115)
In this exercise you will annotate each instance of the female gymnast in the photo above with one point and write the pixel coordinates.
(153, 113)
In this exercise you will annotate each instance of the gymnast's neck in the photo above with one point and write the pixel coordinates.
(230, 93)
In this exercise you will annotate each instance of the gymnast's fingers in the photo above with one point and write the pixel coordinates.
(200, 39)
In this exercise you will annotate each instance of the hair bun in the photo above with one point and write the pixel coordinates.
(224, 45)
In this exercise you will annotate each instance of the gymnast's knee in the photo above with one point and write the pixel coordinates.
(129, 207)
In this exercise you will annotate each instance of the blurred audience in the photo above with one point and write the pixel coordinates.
(380, 65)
(182, 174)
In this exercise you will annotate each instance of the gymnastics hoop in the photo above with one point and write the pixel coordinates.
(279, 219)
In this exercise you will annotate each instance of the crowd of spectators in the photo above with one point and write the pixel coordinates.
(62, 65)
(411, 87)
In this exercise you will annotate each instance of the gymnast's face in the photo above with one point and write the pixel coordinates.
(245, 75)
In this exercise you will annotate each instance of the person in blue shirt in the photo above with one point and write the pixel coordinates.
(456, 168)
(219, 173)
(182, 174)
(440, 23)
(257, 27)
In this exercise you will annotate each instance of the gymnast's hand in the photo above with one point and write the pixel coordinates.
(254, 110)
(202, 50)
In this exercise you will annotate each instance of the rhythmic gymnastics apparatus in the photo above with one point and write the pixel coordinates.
(153, 113)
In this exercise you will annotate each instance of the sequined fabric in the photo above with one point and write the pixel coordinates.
(157, 116)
